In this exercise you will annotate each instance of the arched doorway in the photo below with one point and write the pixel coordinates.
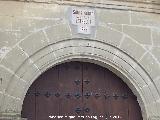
(80, 89)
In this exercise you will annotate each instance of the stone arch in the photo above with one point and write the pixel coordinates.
(84, 50)
(58, 44)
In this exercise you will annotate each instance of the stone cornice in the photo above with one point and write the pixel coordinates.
(150, 6)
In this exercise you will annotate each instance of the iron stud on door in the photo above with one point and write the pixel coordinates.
(37, 94)
(77, 82)
(87, 110)
(68, 95)
(124, 96)
(77, 95)
(47, 94)
(87, 95)
(78, 110)
(115, 96)
(97, 95)
(57, 94)
(87, 81)
(107, 96)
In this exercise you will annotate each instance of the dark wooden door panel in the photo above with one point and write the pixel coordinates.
(96, 87)
(134, 109)
(118, 107)
(29, 104)
(70, 77)
(77, 89)
(47, 86)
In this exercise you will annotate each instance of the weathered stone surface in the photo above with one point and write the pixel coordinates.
(145, 19)
(156, 52)
(14, 59)
(150, 65)
(132, 48)
(11, 116)
(1, 98)
(45, 59)
(44, 11)
(16, 87)
(34, 42)
(157, 83)
(58, 32)
(108, 35)
(10, 104)
(108, 16)
(43, 34)
(143, 74)
(6, 23)
(30, 73)
(148, 95)
(155, 37)
(8, 8)
(125, 61)
(153, 87)
(154, 117)
(117, 27)
(40, 54)
(5, 77)
(8, 39)
(141, 35)
(138, 79)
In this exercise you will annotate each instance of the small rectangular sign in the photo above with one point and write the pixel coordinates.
(83, 17)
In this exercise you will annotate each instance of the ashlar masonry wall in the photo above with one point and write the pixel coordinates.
(35, 36)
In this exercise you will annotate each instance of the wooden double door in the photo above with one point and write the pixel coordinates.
(80, 91)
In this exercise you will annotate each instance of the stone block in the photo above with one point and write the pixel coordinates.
(64, 52)
(138, 79)
(1, 99)
(11, 104)
(156, 37)
(153, 109)
(43, 11)
(34, 43)
(104, 51)
(108, 35)
(11, 116)
(16, 87)
(132, 48)
(5, 77)
(151, 66)
(141, 35)
(58, 33)
(155, 93)
(145, 19)
(147, 93)
(7, 8)
(30, 73)
(157, 83)
(6, 23)
(114, 16)
(117, 27)
(41, 53)
(124, 61)
(8, 39)
(14, 59)
(24, 26)
(45, 59)
(156, 52)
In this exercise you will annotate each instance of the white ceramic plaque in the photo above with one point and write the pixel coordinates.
(84, 19)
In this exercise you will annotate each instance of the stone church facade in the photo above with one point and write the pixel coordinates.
(36, 35)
